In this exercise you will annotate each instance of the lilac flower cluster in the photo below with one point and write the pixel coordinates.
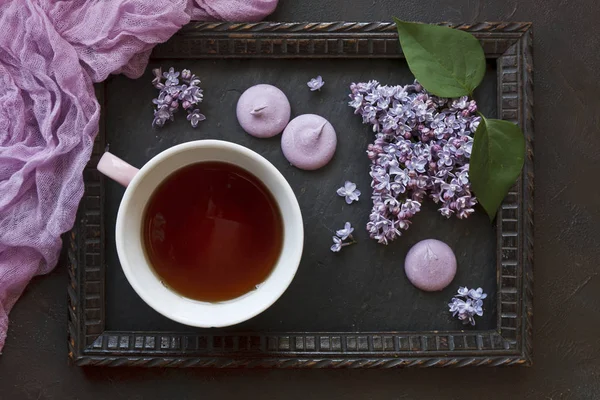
(172, 94)
(349, 192)
(467, 304)
(422, 147)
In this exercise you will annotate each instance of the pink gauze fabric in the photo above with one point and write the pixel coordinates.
(51, 52)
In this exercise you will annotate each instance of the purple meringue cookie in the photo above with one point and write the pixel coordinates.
(430, 265)
(263, 111)
(308, 142)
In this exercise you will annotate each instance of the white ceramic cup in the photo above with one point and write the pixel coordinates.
(130, 248)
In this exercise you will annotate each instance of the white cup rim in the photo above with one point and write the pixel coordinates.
(197, 313)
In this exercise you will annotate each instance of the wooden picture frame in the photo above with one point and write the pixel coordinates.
(509, 44)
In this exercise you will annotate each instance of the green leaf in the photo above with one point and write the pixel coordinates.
(496, 161)
(446, 61)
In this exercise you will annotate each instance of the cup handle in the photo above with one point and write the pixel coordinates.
(116, 169)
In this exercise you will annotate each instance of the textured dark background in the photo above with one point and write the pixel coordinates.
(361, 289)
(567, 300)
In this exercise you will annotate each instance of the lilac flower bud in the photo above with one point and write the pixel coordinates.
(472, 106)
(186, 74)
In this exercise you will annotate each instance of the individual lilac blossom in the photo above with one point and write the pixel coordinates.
(467, 304)
(421, 148)
(194, 81)
(476, 294)
(162, 99)
(337, 244)
(157, 72)
(161, 115)
(357, 102)
(193, 94)
(345, 232)
(446, 211)
(315, 83)
(171, 77)
(349, 191)
(460, 104)
(172, 94)
(194, 117)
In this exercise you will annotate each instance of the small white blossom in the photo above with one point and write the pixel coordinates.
(315, 83)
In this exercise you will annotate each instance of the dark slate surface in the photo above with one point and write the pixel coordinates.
(567, 316)
(363, 288)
